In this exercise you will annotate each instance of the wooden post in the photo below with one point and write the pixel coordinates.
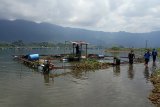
(86, 50)
(73, 48)
(80, 51)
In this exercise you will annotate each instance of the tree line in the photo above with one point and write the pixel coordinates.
(20, 43)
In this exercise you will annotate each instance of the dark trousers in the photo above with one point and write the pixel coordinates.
(146, 61)
(154, 58)
(131, 61)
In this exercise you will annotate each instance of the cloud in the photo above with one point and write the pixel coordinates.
(104, 15)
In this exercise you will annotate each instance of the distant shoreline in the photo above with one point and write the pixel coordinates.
(23, 47)
(117, 51)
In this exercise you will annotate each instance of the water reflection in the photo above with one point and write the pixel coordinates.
(116, 70)
(146, 73)
(47, 78)
(154, 66)
(115, 54)
(79, 74)
(131, 72)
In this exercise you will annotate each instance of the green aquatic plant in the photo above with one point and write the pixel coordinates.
(89, 65)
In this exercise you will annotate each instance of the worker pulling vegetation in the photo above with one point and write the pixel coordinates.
(47, 67)
(117, 61)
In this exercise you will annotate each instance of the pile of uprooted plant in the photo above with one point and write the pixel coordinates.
(83, 66)
(155, 95)
(90, 65)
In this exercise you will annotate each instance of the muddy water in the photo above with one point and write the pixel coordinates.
(124, 86)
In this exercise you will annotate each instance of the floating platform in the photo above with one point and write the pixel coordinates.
(36, 63)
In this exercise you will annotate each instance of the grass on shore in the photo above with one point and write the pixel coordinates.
(155, 94)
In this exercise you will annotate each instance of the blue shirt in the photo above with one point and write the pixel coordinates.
(147, 55)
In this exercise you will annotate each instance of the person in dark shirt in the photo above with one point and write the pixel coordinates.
(46, 68)
(116, 61)
(77, 49)
(131, 56)
(154, 55)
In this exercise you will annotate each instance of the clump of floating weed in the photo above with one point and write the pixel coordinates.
(86, 65)
(89, 65)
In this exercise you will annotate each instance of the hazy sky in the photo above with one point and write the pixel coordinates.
(104, 15)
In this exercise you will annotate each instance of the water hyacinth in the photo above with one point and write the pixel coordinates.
(90, 65)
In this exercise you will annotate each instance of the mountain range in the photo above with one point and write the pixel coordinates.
(29, 31)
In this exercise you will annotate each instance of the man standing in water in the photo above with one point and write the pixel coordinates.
(147, 57)
(154, 55)
(131, 56)
(46, 68)
(77, 50)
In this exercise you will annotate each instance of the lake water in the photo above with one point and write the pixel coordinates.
(124, 86)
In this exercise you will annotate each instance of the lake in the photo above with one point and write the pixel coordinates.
(124, 86)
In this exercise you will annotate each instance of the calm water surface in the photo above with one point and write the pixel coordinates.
(124, 86)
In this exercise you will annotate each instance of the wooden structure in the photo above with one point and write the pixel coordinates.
(36, 63)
